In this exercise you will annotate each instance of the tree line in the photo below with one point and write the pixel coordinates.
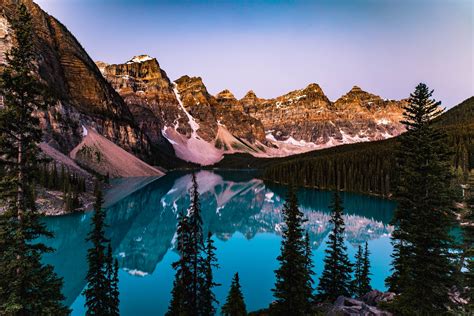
(70, 183)
(372, 167)
(368, 169)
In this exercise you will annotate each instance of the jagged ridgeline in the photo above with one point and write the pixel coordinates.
(369, 167)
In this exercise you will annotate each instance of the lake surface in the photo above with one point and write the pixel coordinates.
(245, 217)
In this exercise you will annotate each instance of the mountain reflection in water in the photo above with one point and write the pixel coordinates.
(235, 205)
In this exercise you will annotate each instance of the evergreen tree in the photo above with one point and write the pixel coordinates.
(27, 287)
(361, 282)
(181, 294)
(336, 277)
(54, 177)
(293, 277)
(192, 288)
(358, 266)
(235, 304)
(365, 284)
(207, 297)
(309, 268)
(98, 287)
(112, 283)
(469, 243)
(196, 248)
(115, 290)
(422, 263)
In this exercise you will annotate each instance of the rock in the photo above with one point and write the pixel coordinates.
(309, 118)
(81, 94)
(374, 297)
(352, 307)
(149, 94)
(102, 156)
(223, 109)
(458, 297)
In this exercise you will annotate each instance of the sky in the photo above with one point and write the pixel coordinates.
(272, 47)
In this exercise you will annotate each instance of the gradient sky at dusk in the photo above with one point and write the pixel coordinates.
(384, 46)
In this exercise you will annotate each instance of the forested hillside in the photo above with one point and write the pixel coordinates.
(369, 167)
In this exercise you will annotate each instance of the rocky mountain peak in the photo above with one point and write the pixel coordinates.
(357, 93)
(139, 67)
(193, 85)
(149, 94)
(356, 89)
(314, 87)
(250, 95)
(140, 59)
(225, 95)
(101, 65)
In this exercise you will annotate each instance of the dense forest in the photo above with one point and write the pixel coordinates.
(370, 167)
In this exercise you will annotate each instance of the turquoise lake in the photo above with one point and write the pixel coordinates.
(242, 212)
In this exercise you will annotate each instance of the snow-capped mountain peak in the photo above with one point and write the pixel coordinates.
(140, 59)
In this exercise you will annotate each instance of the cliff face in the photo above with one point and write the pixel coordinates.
(223, 109)
(200, 127)
(191, 119)
(149, 94)
(82, 96)
(307, 117)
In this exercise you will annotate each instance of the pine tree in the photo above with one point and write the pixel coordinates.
(469, 244)
(309, 268)
(235, 304)
(293, 277)
(336, 277)
(207, 297)
(361, 282)
(27, 287)
(192, 287)
(422, 263)
(54, 178)
(112, 283)
(115, 290)
(365, 284)
(358, 267)
(196, 247)
(97, 288)
(181, 293)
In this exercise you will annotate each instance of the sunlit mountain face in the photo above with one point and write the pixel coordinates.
(243, 213)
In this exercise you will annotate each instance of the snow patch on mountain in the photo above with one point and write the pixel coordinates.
(192, 122)
(139, 59)
(192, 149)
(197, 150)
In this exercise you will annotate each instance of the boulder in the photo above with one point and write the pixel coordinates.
(374, 297)
(353, 307)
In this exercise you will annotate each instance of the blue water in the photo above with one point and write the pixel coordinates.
(245, 217)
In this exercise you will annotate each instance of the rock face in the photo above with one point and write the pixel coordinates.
(190, 118)
(374, 297)
(82, 96)
(308, 118)
(199, 126)
(224, 109)
(149, 94)
(351, 307)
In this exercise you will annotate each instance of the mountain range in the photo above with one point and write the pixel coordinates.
(137, 107)
(202, 127)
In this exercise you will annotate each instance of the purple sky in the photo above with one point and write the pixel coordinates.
(384, 46)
